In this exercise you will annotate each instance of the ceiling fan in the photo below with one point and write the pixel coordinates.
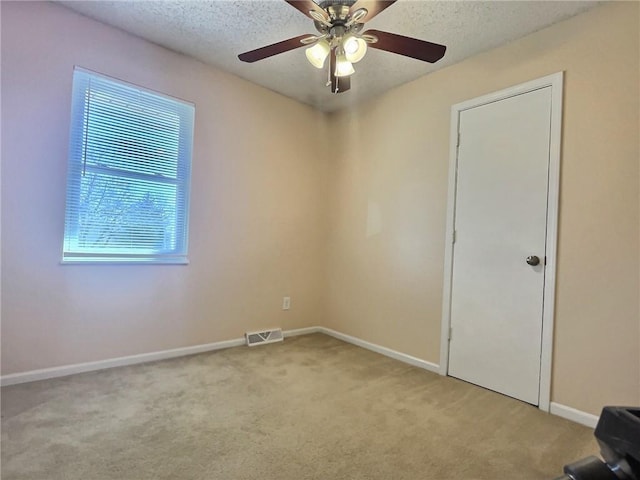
(340, 24)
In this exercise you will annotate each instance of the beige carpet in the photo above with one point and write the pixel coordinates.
(311, 407)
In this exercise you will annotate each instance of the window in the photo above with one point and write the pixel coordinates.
(128, 175)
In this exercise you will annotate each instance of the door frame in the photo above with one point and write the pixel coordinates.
(555, 81)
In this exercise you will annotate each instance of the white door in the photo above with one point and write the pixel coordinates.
(500, 220)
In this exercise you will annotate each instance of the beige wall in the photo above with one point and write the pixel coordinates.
(257, 205)
(388, 212)
(261, 197)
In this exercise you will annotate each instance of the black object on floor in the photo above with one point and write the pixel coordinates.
(618, 434)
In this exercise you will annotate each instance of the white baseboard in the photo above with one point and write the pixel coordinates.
(558, 409)
(403, 357)
(574, 415)
(301, 331)
(63, 371)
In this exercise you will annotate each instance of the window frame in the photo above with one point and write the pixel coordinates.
(78, 165)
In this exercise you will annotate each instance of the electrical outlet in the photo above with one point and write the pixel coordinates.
(286, 303)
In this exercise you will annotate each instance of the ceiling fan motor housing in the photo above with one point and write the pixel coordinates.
(325, 4)
(338, 12)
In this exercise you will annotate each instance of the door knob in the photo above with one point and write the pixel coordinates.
(533, 260)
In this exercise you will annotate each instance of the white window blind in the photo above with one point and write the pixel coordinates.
(129, 173)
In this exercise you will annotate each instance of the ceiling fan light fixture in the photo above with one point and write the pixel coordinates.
(355, 48)
(318, 53)
(344, 68)
(318, 17)
(358, 15)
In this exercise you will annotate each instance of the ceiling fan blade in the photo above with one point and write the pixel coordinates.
(374, 7)
(407, 46)
(305, 6)
(338, 84)
(274, 49)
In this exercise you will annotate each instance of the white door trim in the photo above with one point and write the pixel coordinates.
(555, 81)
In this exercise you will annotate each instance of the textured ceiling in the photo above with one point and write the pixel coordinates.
(215, 32)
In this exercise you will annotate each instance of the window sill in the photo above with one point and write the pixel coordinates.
(124, 261)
